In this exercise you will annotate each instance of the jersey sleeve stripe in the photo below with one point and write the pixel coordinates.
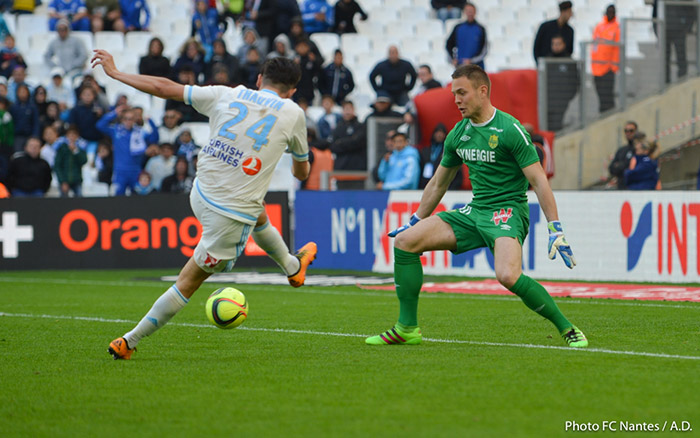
(521, 133)
(300, 157)
(188, 94)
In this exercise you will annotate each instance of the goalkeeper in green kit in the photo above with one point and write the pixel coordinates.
(502, 162)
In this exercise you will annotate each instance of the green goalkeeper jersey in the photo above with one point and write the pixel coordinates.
(495, 152)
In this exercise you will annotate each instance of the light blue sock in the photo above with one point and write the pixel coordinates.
(165, 307)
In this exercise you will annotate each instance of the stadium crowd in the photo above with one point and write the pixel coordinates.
(75, 125)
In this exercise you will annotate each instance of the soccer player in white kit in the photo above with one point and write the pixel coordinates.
(250, 130)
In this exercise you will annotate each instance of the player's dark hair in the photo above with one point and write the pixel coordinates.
(475, 74)
(282, 73)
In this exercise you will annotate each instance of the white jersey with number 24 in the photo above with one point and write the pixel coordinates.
(250, 130)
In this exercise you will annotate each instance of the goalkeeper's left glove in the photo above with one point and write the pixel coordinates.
(557, 242)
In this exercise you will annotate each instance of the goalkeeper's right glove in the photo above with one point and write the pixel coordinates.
(557, 242)
(414, 220)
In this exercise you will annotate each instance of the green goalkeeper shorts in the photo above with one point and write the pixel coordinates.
(478, 227)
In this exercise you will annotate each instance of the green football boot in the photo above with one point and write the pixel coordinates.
(575, 338)
(396, 336)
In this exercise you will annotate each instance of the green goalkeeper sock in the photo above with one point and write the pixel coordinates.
(535, 296)
(408, 277)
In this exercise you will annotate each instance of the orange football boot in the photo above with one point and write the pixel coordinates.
(306, 256)
(120, 349)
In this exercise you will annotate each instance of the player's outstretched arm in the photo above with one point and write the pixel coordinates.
(432, 194)
(156, 86)
(557, 241)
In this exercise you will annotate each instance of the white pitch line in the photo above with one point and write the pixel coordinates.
(356, 335)
(364, 293)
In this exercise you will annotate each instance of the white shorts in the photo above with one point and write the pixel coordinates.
(223, 239)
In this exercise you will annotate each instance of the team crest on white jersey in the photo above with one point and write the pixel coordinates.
(251, 165)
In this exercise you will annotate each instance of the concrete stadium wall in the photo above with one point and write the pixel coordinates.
(594, 146)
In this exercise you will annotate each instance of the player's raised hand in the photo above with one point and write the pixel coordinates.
(105, 59)
(411, 222)
(557, 242)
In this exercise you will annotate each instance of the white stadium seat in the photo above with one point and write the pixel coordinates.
(399, 29)
(431, 27)
(29, 24)
(369, 27)
(39, 42)
(111, 41)
(354, 44)
(384, 14)
(86, 38)
(327, 43)
(137, 42)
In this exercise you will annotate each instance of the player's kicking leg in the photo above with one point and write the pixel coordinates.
(294, 265)
(165, 307)
(508, 265)
(427, 235)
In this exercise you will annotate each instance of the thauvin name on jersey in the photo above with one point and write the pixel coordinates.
(223, 151)
(261, 99)
(477, 155)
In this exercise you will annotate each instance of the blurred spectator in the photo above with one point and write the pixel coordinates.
(311, 71)
(679, 21)
(85, 115)
(104, 162)
(51, 118)
(388, 148)
(206, 26)
(129, 144)
(549, 29)
(170, 129)
(263, 13)
(50, 136)
(66, 51)
(349, 141)
(322, 160)
(399, 170)
(317, 16)
(60, 92)
(180, 181)
(10, 57)
(297, 33)
(100, 92)
(337, 80)
(287, 12)
(643, 173)
(304, 105)
(250, 69)
(154, 63)
(39, 99)
(144, 186)
(74, 11)
(431, 156)
(29, 175)
(329, 120)
(220, 56)
(25, 116)
(623, 155)
(543, 149)
(281, 48)
(250, 39)
(7, 137)
(105, 15)
(162, 165)
(427, 80)
(605, 58)
(448, 9)
(563, 83)
(69, 164)
(345, 11)
(132, 13)
(3, 87)
(467, 44)
(220, 76)
(233, 9)
(382, 107)
(185, 76)
(192, 55)
(19, 76)
(397, 77)
(186, 147)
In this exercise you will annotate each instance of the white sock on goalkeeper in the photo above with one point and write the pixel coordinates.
(269, 239)
(165, 307)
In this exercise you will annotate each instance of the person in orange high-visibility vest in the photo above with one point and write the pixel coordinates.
(605, 58)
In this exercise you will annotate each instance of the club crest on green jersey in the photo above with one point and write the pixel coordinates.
(493, 141)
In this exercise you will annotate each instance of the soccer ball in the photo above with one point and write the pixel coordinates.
(227, 308)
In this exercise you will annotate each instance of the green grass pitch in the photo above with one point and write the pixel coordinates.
(299, 367)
